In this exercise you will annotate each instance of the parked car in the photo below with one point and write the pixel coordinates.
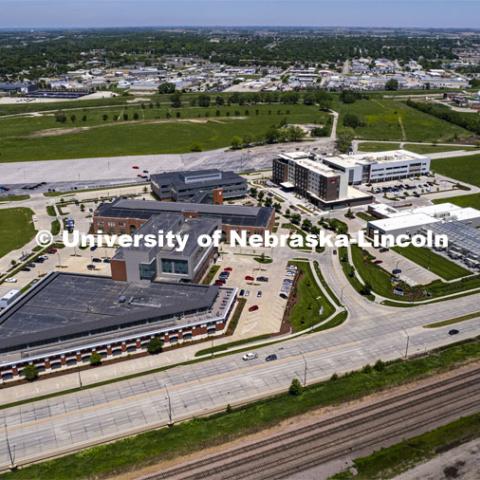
(92, 249)
(10, 280)
(249, 278)
(96, 260)
(219, 282)
(250, 356)
(262, 279)
(91, 267)
(253, 308)
(135, 167)
(259, 294)
(378, 262)
(228, 269)
(242, 292)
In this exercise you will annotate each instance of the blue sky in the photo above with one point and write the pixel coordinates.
(364, 13)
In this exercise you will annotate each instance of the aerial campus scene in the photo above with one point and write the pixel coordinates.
(239, 239)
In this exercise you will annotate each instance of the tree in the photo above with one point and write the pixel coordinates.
(219, 100)
(176, 100)
(392, 84)
(351, 120)
(236, 143)
(125, 117)
(60, 117)
(295, 388)
(344, 140)
(204, 100)
(261, 195)
(135, 116)
(30, 372)
(196, 148)
(295, 134)
(73, 118)
(272, 135)
(309, 99)
(323, 99)
(268, 202)
(95, 359)
(253, 192)
(155, 345)
(166, 87)
(105, 117)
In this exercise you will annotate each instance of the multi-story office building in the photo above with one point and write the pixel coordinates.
(186, 186)
(163, 262)
(380, 166)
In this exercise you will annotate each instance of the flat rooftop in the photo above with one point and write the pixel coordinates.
(317, 167)
(66, 307)
(197, 178)
(345, 160)
(229, 214)
(402, 222)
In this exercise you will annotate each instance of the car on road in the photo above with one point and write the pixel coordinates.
(250, 356)
(271, 357)
(453, 331)
(253, 308)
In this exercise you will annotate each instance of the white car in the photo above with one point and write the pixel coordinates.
(11, 280)
(249, 356)
(247, 293)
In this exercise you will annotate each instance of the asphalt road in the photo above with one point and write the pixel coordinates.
(47, 427)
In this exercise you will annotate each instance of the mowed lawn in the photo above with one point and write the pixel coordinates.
(16, 228)
(437, 264)
(464, 169)
(462, 200)
(309, 301)
(157, 130)
(386, 119)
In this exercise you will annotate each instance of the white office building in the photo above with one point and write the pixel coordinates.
(380, 166)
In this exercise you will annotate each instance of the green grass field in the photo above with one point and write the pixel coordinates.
(422, 149)
(158, 130)
(193, 435)
(16, 229)
(464, 169)
(437, 264)
(463, 200)
(309, 301)
(377, 147)
(386, 119)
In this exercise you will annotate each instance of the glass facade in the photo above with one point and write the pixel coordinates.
(148, 271)
(174, 266)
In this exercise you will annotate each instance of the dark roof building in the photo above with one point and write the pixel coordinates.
(186, 186)
(123, 216)
(67, 316)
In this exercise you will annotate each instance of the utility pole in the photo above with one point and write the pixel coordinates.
(408, 342)
(10, 449)
(305, 370)
(170, 416)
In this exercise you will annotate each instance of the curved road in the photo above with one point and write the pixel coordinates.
(43, 428)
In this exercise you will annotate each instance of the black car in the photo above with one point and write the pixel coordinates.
(96, 260)
(453, 331)
(271, 357)
(92, 249)
(25, 269)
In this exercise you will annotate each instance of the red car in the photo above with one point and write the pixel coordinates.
(248, 278)
(253, 308)
(135, 167)
(219, 282)
(378, 262)
(228, 269)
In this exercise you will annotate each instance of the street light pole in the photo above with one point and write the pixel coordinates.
(10, 450)
(408, 342)
(170, 416)
(305, 370)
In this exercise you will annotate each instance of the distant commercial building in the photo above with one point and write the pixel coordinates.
(65, 318)
(380, 166)
(125, 216)
(396, 222)
(186, 186)
(166, 263)
(322, 185)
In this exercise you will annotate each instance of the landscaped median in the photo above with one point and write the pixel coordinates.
(194, 435)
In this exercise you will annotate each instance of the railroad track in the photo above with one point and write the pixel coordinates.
(326, 440)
